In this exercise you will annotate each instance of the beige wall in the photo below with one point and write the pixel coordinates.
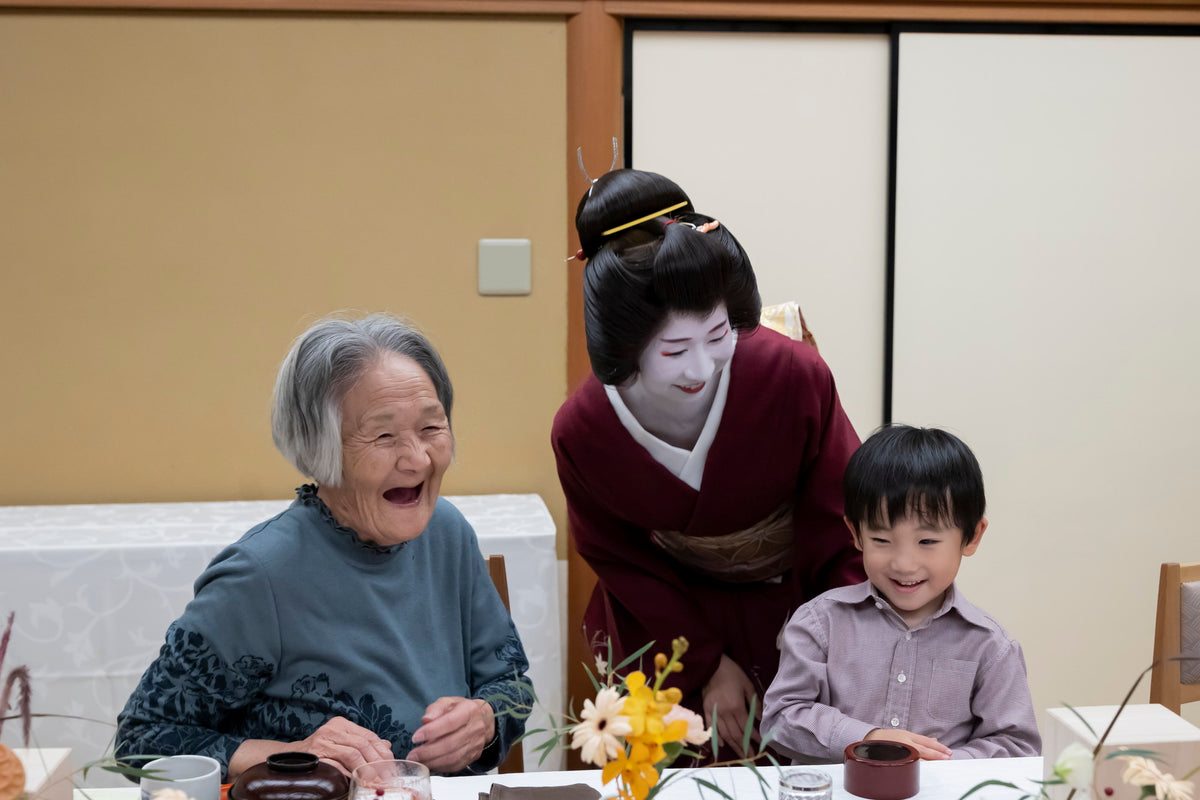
(182, 194)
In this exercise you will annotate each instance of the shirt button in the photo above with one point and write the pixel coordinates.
(901, 677)
(878, 604)
(907, 636)
(895, 722)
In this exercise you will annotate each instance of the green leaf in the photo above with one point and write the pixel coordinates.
(713, 787)
(749, 724)
(763, 786)
(979, 786)
(633, 656)
(1079, 716)
(1153, 755)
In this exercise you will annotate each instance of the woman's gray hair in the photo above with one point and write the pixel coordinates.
(324, 362)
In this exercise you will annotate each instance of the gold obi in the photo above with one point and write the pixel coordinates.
(757, 553)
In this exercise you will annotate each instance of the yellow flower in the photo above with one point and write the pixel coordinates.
(646, 709)
(696, 734)
(635, 770)
(597, 735)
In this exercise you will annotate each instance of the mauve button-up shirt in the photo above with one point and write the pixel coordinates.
(849, 664)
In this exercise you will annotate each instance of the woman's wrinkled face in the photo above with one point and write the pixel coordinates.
(396, 446)
(686, 356)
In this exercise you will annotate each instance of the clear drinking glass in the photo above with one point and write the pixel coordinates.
(390, 780)
(804, 783)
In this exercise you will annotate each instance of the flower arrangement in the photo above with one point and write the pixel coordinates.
(635, 729)
(1075, 767)
(12, 771)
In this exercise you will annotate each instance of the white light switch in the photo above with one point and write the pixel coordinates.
(504, 266)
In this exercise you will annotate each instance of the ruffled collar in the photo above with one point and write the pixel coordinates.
(306, 495)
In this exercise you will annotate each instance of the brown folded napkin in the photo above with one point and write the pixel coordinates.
(574, 791)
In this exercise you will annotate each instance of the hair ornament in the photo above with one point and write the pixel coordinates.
(578, 255)
(708, 226)
(646, 218)
(583, 169)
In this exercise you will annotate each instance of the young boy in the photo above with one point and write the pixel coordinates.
(904, 656)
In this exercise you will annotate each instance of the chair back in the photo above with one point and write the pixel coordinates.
(1177, 633)
(515, 762)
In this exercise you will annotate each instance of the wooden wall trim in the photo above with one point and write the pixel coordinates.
(1162, 12)
(1159, 12)
(490, 7)
(594, 117)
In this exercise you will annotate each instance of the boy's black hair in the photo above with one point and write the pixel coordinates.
(902, 471)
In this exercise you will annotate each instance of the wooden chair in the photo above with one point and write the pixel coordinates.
(1177, 631)
(515, 762)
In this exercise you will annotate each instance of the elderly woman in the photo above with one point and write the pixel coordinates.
(360, 624)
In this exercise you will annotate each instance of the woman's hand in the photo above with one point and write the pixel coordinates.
(345, 745)
(454, 733)
(927, 747)
(339, 741)
(731, 692)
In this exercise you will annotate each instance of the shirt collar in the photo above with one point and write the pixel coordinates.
(954, 601)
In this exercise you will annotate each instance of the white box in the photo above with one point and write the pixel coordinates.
(48, 772)
(1146, 727)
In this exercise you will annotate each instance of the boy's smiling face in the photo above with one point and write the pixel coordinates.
(913, 562)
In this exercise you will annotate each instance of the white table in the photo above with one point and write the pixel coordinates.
(940, 780)
(94, 588)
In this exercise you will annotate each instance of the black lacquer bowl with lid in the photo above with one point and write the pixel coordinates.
(291, 776)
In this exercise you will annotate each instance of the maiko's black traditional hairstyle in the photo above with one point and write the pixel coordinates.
(641, 267)
(927, 473)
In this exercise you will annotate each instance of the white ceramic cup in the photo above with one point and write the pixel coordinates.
(199, 777)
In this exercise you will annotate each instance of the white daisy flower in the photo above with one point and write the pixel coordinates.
(597, 736)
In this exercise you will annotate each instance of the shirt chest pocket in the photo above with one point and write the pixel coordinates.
(950, 686)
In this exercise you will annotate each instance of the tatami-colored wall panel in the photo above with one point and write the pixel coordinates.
(1046, 293)
(182, 194)
(783, 136)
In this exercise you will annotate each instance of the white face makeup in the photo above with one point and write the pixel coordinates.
(684, 360)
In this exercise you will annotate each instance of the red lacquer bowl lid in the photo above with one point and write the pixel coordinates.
(882, 770)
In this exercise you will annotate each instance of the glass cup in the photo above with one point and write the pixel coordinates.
(390, 780)
(805, 784)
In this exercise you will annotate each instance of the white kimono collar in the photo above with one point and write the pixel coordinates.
(687, 465)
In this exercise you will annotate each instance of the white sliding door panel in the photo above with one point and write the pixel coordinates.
(783, 137)
(1047, 283)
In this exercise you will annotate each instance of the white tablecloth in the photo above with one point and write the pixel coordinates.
(94, 588)
(940, 780)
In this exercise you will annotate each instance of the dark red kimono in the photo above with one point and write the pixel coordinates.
(783, 435)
